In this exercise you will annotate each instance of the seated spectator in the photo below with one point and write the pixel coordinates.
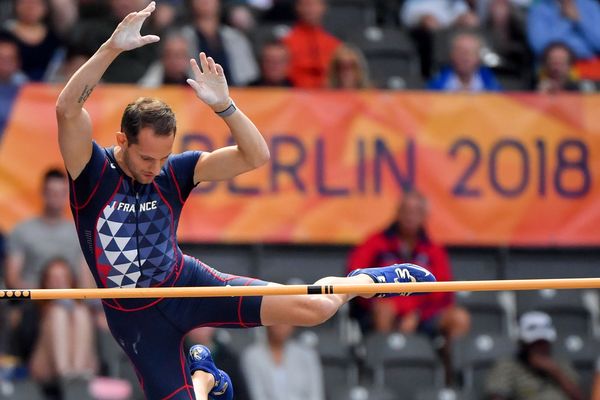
(89, 34)
(10, 64)
(274, 66)
(465, 74)
(348, 69)
(311, 47)
(241, 17)
(63, 16)
(225, 358)
(424, 18)
(281, 368)
(228, 46)
(505, 36)
(573, 22)
(65, 345)
(173, 68)
(11, 79)
(557, 73)
(534, 374)
(75, 57)
(34, 242)
(438, 14)
(596, 382)
(38, 45)
(4, 332)
(406, 241)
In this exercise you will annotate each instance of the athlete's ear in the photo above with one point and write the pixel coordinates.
(121, 139)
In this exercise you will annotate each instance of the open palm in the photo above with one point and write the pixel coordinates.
(127, 34)
(209, 82)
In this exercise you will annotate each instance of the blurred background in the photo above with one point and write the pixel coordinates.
(461, 135)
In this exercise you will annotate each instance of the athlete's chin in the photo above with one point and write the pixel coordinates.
(145, 179)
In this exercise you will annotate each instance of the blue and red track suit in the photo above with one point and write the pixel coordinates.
(128, 234)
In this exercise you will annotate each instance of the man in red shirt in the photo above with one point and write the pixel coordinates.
(310, 46)
(435, 314)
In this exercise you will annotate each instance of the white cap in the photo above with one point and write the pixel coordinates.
(536, 325)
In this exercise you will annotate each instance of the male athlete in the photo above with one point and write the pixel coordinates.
(126, 201)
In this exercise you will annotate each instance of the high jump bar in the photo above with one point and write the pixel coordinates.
(275, 290)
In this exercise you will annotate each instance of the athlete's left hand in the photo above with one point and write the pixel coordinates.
(210, 83)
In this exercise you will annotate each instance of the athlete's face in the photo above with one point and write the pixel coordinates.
(145, 158)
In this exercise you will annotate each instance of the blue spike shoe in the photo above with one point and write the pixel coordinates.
(199, 358)
(395, 274)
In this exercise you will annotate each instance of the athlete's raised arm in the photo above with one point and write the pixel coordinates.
(74, 124)
(250, 151)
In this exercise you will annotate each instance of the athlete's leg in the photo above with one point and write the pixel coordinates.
(308, 310)
(208, 380)
(314, 310)
(203, 384)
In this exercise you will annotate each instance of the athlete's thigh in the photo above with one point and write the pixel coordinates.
(154, 347)
(228, 312)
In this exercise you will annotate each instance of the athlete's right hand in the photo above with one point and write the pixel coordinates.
(127, 35)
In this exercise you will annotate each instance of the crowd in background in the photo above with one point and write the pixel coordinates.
(456, 45)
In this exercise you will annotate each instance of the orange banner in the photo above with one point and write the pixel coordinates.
(498, 169)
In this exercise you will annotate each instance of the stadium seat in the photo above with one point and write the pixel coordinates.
(390, 54)
(491, 312)
(363, 393)
(475, 355)
(582, 352)
(474, 264)
(21, 390)
(339, 364)
(238, 339)
(566, 307)
(267, 32)
(443, 394)
(398, 361)
(282, 263)
(560, 263)
(340, 12)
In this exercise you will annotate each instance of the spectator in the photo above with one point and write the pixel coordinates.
(64, 15)
(465, 72)
(311, 47)
(534, 374)
(36, 241)
(173, 68)
(424, 18)
(438, 14)
(505, 36)
(11, 79)
(348, 69)
(226, 359)
(596, 382)
(64, 347)
(38, 45)
(4, 332)
(573, 22)
(436, 314)
(75, 57)
(281, 368)
(228, 46)
(274, 65)
(557, 74)
(241, 17)
(90, 34)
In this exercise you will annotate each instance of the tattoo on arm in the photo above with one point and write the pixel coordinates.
(87, 91)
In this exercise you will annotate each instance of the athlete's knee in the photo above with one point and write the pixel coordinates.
(318, 309)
